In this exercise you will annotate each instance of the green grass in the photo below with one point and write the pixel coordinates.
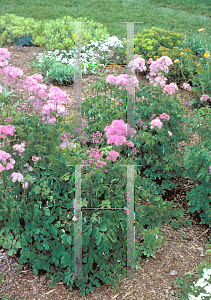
(184, 16)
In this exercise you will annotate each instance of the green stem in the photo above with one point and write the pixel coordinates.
(24, 182)
(2, 176)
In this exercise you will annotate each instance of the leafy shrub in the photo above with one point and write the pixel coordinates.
(196, 162)
(41, 223)
(64, 74)
(200, 80)
(41, 215)
(59, 35)
(154, 148)
(198, 44)
(148, 41)
(25, 40)
(56, 34)
(13, 27)
(47, 229)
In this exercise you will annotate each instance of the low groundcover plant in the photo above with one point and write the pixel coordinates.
(93, 55)
(38, 208)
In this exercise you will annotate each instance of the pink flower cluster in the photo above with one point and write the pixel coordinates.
(20, 147)
(140, 122)
(135, 151)
(205, 98)
(35, 158)
(65, 140)
(110, 53)
(137, 63)
(94, 154)
(6, 130)
(95, 55)
(84, 138)
(3, 157)
(9, 119)
(4, 54)
(186, 86)
(123, 80)
(158, 123)
(12, 73)
(96, 136)
(32, 85)
(170, 89)
(117, 131)
(156, 67)
(112, 156)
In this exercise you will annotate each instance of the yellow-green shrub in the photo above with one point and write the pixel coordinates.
(13, 27)
(53, 35)
(59, 35)
(148, 41)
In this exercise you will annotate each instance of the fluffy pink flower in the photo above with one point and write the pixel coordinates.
(186, 86)
(164, 116)
(112, 155)
(204, 97)
(157, 123)
(171, 88)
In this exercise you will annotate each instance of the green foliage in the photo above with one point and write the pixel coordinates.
(13, 27)
(45, 225)
(197, 161)
(25, 40)
(59, 34)
(198, 43)
(38, 220)
(64, 74)
(201, 82)
(149, 40)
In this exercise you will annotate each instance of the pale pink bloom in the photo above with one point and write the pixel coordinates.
(157, 123)
(204, 97)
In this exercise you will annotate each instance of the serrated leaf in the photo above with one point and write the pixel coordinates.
(69, 239)
(47, 212)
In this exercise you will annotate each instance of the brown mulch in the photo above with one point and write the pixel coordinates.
(155, 278)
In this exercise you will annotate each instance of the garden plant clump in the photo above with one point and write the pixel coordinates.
(40, 206)
(107, 49)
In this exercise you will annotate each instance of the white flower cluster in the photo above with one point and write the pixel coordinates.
(89, 61)
(203, 283)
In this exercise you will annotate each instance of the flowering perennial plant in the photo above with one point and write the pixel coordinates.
(117, 133)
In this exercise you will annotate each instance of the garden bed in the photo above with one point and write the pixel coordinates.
(155, 279)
